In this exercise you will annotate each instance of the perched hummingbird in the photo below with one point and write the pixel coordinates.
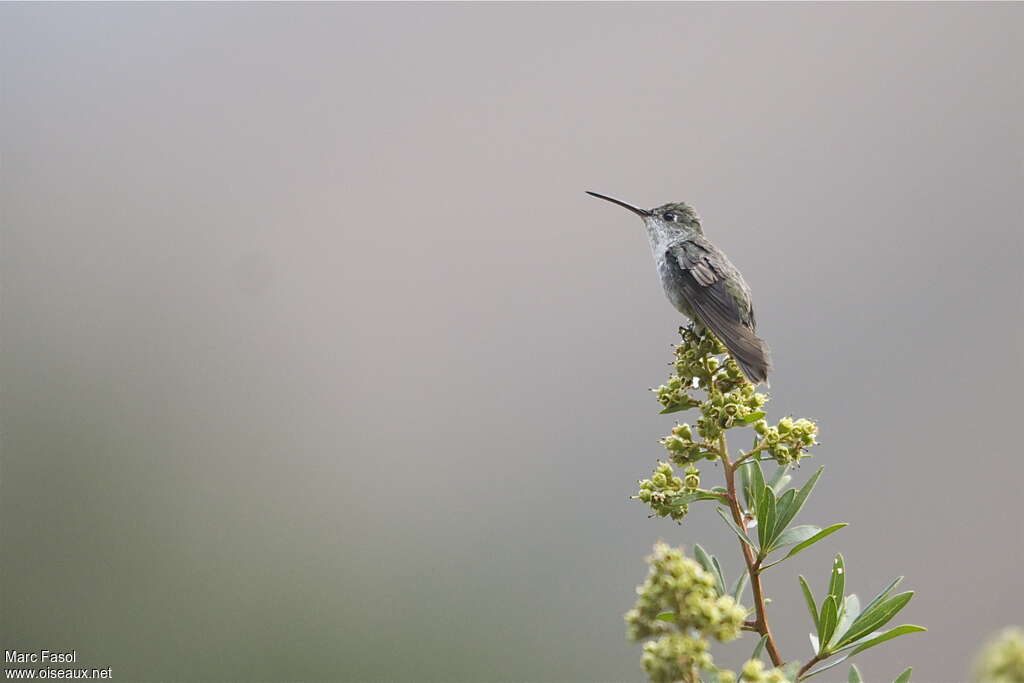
(702, 283)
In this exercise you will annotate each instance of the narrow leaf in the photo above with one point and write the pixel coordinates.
(766, 519)
(801, 497)
(800, 547)
(744, 471)
(685, 498)
(829, 620)
(756, 481)
(759, 648)
(883, 594)
(667, 616)
(812, 606)
(719, 576)
(735, 529)
(702, 557)
(904, 677)
(837, 583)
(785, 503)
(889, 635)
(779, 478)
(740, 586)
(877, 617)
(825, 668)
(854, 675)
(795, 534)
(675, 409)
(849, 612)
(777, 475)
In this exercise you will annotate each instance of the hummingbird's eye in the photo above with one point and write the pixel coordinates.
(669, 216)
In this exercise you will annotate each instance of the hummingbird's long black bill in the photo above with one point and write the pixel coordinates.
(639, 212)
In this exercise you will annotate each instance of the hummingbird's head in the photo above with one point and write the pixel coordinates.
(667, 219)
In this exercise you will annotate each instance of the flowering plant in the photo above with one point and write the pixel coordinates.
(686, 602)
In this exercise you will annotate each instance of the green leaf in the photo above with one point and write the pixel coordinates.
(854, 675)
(795, 534)
(837, 583)
(759, 648)
(812, 606)
(719, 576)
(740, 586)
(785, 503)
(756, 482)
(824, 668)
(793, 509)
(888, 635)
(744, 471)
(883, 594)
(829, 620)
(779, 479)
(710, 564)
(766, 513)
(675, 409)
(849, 612)
(702, 557)
(685, 498)
(752, 417)
(876, 617)
(800, 547)
(736, 530)
(904, 677)
(667, 616)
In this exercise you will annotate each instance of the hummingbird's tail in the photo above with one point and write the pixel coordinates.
(752, 356)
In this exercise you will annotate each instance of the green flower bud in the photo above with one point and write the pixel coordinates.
(753, 670)
(785, 426)
(683, 431)
(659, 480)
(692, 479)
(761, 427)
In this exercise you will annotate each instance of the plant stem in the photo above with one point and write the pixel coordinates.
(753, 564)
(807, 667)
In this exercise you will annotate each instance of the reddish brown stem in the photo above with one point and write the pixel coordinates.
(753, 565)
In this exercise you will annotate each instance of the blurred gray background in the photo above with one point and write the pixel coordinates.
(318, 365)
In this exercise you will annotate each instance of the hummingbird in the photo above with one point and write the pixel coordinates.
(702, 283)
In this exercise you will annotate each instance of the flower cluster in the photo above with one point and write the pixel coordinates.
(725, 410)
(679, 602)
(730, 401)
(674, 658)
(787, 440)
(661, 490)
(695, 360)
(1002, 660)
(754, 671)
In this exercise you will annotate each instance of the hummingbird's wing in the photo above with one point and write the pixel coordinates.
(721, 301)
